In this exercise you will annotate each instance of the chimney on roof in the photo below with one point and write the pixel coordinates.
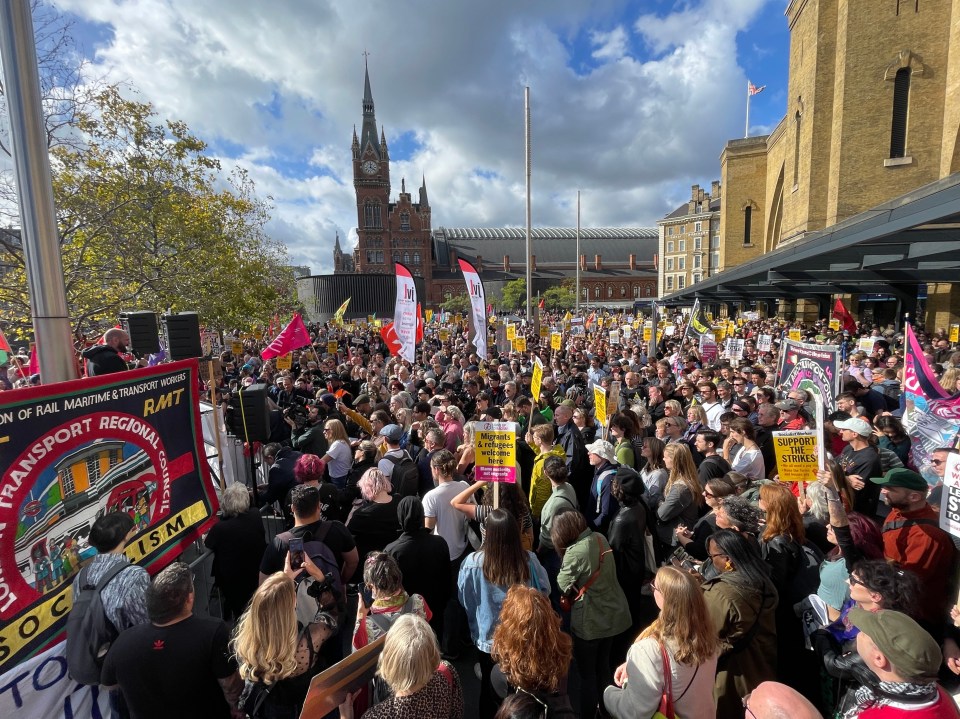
(694, 194)
(479, 264)
(506, 263)
(633, 262)
(700, 194)
(583, 262)
(597, 263)
(533, 263)
(715, 190)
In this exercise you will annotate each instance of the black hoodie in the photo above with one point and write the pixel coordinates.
(103, 359)
(424, 557)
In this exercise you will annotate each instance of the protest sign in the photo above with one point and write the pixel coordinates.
(670, 330)
(73, 451)
(764, 343)
(614, 337)
(796, 455)
(600, 404)
(329, 689)
(627, 332)
(285, 361)
(236, 346)
(556, 340)
(41, 687)
(536, 381)
(954, 333)
(511, 332)
(520, 344)
(734, 349)
(815, 368)
(835, 324)
(795, 335)
(647, 333)
(950, 504)
(708, 347)
(612, 398)
(496, 452)
(332, 347)
(444, 335)
(865, 344)
(544, 331)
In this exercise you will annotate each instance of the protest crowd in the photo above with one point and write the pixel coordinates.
(651, 555)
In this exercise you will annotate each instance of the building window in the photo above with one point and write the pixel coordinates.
(596, 292)
(697, 260)
(714, 260)
(681, 281)
(683, 246)
(796, 148)
(416, 258)
(648, 291)
(681, 263)
(371, 215)
(697, 243)
(697, 226)
(406, 258)
(609, 292)
(669, 264)
(697, 277)
(405, 221)
(715, 242)
(747, 222)
(623, 290)
(670, 246)
(901, 104)
(636, 292)
(396, 256)
(380, 257)
(670, 230)
(669, 282)
(584, 294)
(447, 294)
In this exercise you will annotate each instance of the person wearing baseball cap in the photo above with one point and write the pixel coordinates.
(790, 414)
(906, 660)
(860, 461)
(913, 539)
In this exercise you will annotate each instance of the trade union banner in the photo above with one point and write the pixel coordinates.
(74, 451)
(815, 368)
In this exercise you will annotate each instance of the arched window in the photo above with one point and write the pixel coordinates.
(584, 294)
(623, 290)
(371, 214)
(901, 104)
(406, 258)
(396, 256)
(636, 292)
(596, 292)
(416, 258)
(405, 221)
(380, 256)
(648, 291)
(609, 292)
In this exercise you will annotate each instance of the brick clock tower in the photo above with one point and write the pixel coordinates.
(387, 231)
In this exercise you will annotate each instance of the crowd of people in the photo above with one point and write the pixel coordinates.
(654, 559)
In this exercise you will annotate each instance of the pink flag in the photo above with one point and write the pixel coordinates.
(34, 366)
(293, 337)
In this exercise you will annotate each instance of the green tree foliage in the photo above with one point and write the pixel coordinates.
(561, 297)
(458, 303)
(148, 222)
(514, 295)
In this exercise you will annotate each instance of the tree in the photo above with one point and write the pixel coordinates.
(148, 222)
(514, 295)
(561, 297)
(457, 303)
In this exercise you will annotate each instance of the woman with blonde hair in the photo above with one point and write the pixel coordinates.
(276, 660)
(422, 685)
(681, 644)
(339, 456)
(532, 653)
(682, 494)
(466, 454)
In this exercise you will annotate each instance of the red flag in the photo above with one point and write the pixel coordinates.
(389, 335)
(34, 366)
(293, 337)
(846, 320)
(590, 320)
(541, 303)
(419, 324)
(4, 345)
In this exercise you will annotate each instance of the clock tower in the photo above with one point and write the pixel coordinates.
(386, 232)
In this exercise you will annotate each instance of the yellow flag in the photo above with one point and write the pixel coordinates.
(567, 317)
(338, 315)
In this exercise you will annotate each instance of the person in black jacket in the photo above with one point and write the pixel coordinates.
(280, 479)
(105, 358)
(424, 560)
(627, 540)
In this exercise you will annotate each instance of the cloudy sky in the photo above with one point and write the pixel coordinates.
(631, 101)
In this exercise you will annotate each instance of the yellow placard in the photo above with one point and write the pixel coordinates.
(536, 381)
(236, 346)
(954, 333)
(612, 398)
(444, 335)
(556, 340)
(332, 347)
(496, 452)
(600, 404)
(544, 331)
(428, 316)
(458, 318)
(647, 333)
(796, 455)
(285, 361)
(835, 324)
(511, 332)
(520, 344)
(794, 335)
(351, 327)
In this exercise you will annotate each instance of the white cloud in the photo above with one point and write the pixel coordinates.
(283, 82)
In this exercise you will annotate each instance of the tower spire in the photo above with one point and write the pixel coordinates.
(368, 133)
(423, 193)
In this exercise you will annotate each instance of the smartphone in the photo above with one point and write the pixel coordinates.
(366, 596)
(296, 553)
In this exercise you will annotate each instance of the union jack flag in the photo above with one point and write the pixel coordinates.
(753, 89)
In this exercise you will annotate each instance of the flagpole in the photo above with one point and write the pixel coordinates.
(576, 305)
(526, 102)
(746, 130)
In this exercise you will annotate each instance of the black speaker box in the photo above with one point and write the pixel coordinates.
(182, 332)
(144, 331)
(249, 417)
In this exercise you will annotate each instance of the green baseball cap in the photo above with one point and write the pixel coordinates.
(908, 646)
(902, 477)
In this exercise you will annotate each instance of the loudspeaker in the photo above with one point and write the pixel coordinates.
(144, 331)
(248, 416)
(182, 332)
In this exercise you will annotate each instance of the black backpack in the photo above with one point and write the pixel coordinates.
(89, 632)
(317, 600)
(406, 476)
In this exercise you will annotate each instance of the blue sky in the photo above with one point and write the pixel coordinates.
(631, 101)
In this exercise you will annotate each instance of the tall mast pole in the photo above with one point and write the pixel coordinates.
(526, 103)
(577, 302)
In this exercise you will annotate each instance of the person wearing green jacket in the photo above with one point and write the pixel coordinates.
(588, 577)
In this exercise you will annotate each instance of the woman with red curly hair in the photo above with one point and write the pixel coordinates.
(532, 653)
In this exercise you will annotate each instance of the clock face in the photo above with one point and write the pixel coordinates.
(370, 167)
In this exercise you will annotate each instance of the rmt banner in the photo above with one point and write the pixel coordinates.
(815, 368)
(74, 451)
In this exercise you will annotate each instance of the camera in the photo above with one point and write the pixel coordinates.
(298, 410)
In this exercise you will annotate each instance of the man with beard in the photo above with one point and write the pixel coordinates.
(913, 539)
